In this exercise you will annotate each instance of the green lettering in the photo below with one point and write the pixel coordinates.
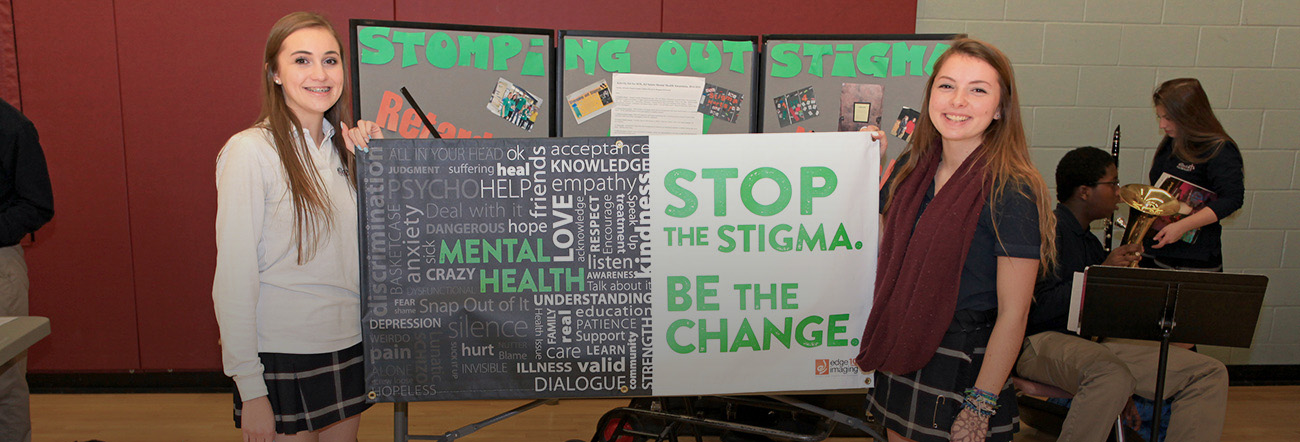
(806, 241)
(672, 336)
(817, 52)
(381, 50)
(705, 57)
(475, 48)
(671, 57)
(689, 201)
(939, 49)
(872, 60)
(782, 198)
(782, 334)
(450, 255)
(679, 293)
(785, 60)
(441, 51)
(737, 49)
(808, 191)
(407, 40)
(905, 56)
(812, 339)
(834, 329)
(843, 66)
(720, 177)
(841, 239)
(745, 337)
(613, 57)
(503, 48)
(534, 66)
(584, 49)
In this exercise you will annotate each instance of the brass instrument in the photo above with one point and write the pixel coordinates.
(1150, 202)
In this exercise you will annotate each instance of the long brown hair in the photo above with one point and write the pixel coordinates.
(312, 211)
(1005, 149)
(1199, 135)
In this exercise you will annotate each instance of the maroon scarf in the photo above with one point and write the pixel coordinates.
(918, 275)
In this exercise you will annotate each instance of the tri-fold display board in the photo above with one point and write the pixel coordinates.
(611, 263)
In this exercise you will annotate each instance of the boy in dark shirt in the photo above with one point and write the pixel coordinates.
(1102, 376)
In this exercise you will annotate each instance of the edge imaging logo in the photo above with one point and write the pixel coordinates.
(825, 367)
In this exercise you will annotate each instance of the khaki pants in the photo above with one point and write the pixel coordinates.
(15, 416)
(1102, 377)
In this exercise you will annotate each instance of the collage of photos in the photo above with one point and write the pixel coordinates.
(796, 106)
(514, 104)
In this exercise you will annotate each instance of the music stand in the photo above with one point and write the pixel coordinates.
(1171, 305)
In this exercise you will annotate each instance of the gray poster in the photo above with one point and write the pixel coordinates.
(505, 268)
(844, 83)
(589, 59)
(470, 81)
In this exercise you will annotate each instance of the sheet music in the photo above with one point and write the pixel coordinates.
(1076, 302)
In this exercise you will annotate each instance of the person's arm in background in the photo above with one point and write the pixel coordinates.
(1227, 181)
(32, 202)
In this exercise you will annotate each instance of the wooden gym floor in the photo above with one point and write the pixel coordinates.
(1255, 414)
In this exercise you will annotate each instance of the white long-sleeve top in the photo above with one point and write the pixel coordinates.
(264, 300)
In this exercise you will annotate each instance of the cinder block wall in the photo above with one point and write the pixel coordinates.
(1085, 66)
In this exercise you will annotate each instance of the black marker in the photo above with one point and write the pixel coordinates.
(427, 124)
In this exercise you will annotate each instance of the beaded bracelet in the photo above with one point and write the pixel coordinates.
(980, 401)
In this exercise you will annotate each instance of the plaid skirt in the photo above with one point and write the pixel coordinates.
(922, 405)
(308, 392)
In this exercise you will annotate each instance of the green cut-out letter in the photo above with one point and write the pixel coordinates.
(614, 58)
(939, 49)
(475, 48)
(904, 56)
(816, 52)
(671, 57)
(737, 49)
(843, 66)
(408, 40)
(584, 49)
(375, 38)
(503, 48)
(785, 60)
(705, 57)
(534, 64)
(872, 60)
(441, 50)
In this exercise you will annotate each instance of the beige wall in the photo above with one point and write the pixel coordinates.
(1085, 66)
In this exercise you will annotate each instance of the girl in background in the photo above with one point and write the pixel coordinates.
(1196, 150)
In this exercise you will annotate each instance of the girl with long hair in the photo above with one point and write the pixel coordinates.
(967, 228)
(1196, 150)
(286, 289)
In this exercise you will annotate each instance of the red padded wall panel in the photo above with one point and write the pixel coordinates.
(190, 79)
(589, 15)
(80, 265)
(748, 17)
